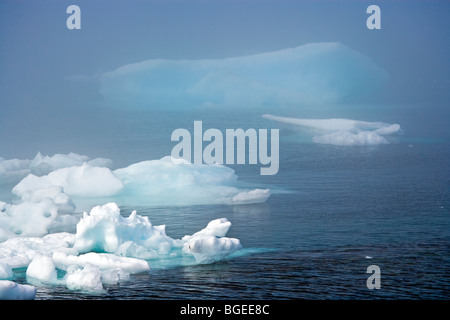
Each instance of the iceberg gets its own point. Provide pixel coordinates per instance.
(210, 244)
(10, 290)
(103, 261)
(179, 182)
(39, 210)
(82, 181)
(343, 132)
(315, 73)
(210, 249)
(87, 279)
(13, 170)
(107, 248)
(166, 181)
(41, 270)
(19, 252)
(48, 201)
(105, 230)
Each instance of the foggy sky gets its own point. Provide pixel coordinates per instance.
(47, 70)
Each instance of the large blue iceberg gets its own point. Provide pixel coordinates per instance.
(315, 73)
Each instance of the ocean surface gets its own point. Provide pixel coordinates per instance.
(333, 210)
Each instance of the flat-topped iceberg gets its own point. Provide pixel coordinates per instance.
(343, 132)
(315, 73)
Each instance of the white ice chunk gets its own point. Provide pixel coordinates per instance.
(114, 276)
(30, 218)
(10, 290)
(103, 261)
(211, 249)
(54, 193)
(105, 230)
(39, 211)
(87, 278)
(41, 270)
(5, 271)
(210, 244)
(88, 272)
(216, 228)
(83, 181)
(251, 196)
(18, 252)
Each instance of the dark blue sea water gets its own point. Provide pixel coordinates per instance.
(333, 212)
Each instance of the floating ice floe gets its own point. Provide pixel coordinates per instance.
(179, 182)
(167, 181)
(343, 132)
(46, 202)
(106, 249)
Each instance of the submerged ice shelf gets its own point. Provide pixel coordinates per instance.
(107, 247)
